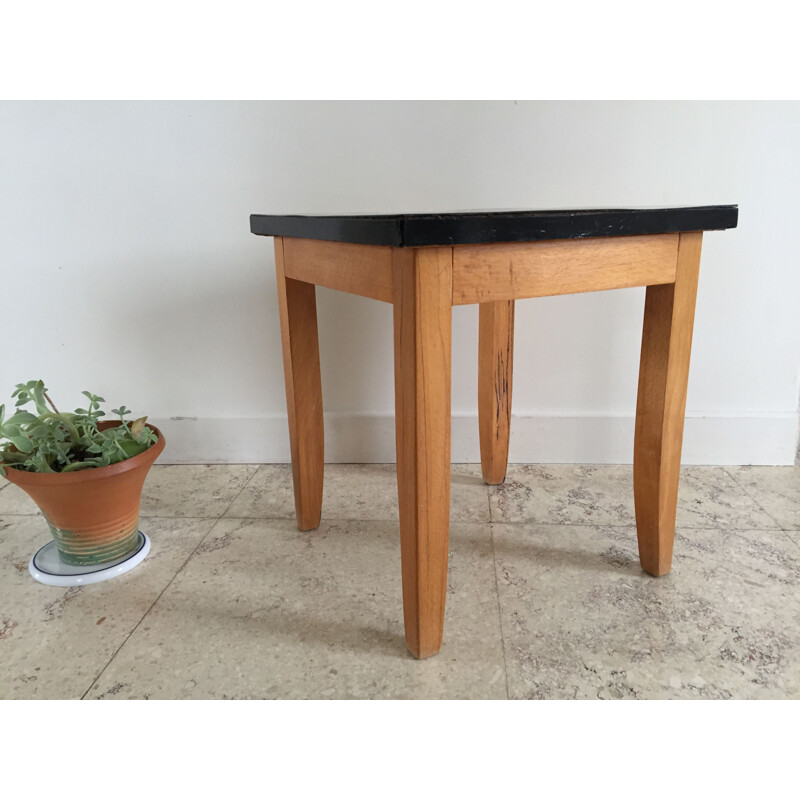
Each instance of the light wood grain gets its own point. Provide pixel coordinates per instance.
(661, 406)
(491, 272)
(298, 313)
(422, 336)
(360, 269)
(495, 368)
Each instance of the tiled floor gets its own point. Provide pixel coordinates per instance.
(546, 597)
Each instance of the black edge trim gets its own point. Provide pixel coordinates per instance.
(421, 230)
(354, 230)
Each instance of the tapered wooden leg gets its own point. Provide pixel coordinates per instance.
(663, 374)
(495, 367)
(422, 290)
(298, 311)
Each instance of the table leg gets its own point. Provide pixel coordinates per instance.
(298, 312)
(422, 294)
(663, 375)
(495, 367)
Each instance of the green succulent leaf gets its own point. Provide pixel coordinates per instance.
(21, 418)
(78, 465)
(133, 448)
(22, 443)
(66, 442)
(32, 390)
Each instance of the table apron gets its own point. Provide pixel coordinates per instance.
(486, 273)
(361, 269)
(490, 272)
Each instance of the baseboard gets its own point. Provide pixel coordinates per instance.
(359, 438)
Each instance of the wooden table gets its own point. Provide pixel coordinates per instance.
(424, 264)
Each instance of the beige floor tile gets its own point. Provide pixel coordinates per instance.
(709, 498)
(55, 642)
(356, 491)
(184, 490)
(794, 535)
(775, 489)
(570, 494)
(193, 490)
(14, 501)
(582, 620)
(264, 611)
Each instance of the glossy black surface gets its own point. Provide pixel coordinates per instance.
(484, 227)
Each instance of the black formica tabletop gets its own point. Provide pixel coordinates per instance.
(488, 227)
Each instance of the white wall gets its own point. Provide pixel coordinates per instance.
(128, 267)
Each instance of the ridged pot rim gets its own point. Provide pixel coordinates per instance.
(23, 477)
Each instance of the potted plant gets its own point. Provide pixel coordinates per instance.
(85, 475)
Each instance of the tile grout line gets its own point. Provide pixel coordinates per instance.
(6, 514)
(150, 608)
(499, 612)
(238, 494)
(796, 544)
(497, 591)
(630, 525)
(744, 489)
(169, 583)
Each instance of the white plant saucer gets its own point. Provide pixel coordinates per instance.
(47, 567)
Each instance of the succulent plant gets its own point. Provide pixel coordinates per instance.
(52, 441)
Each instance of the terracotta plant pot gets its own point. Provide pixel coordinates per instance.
(93, 513)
